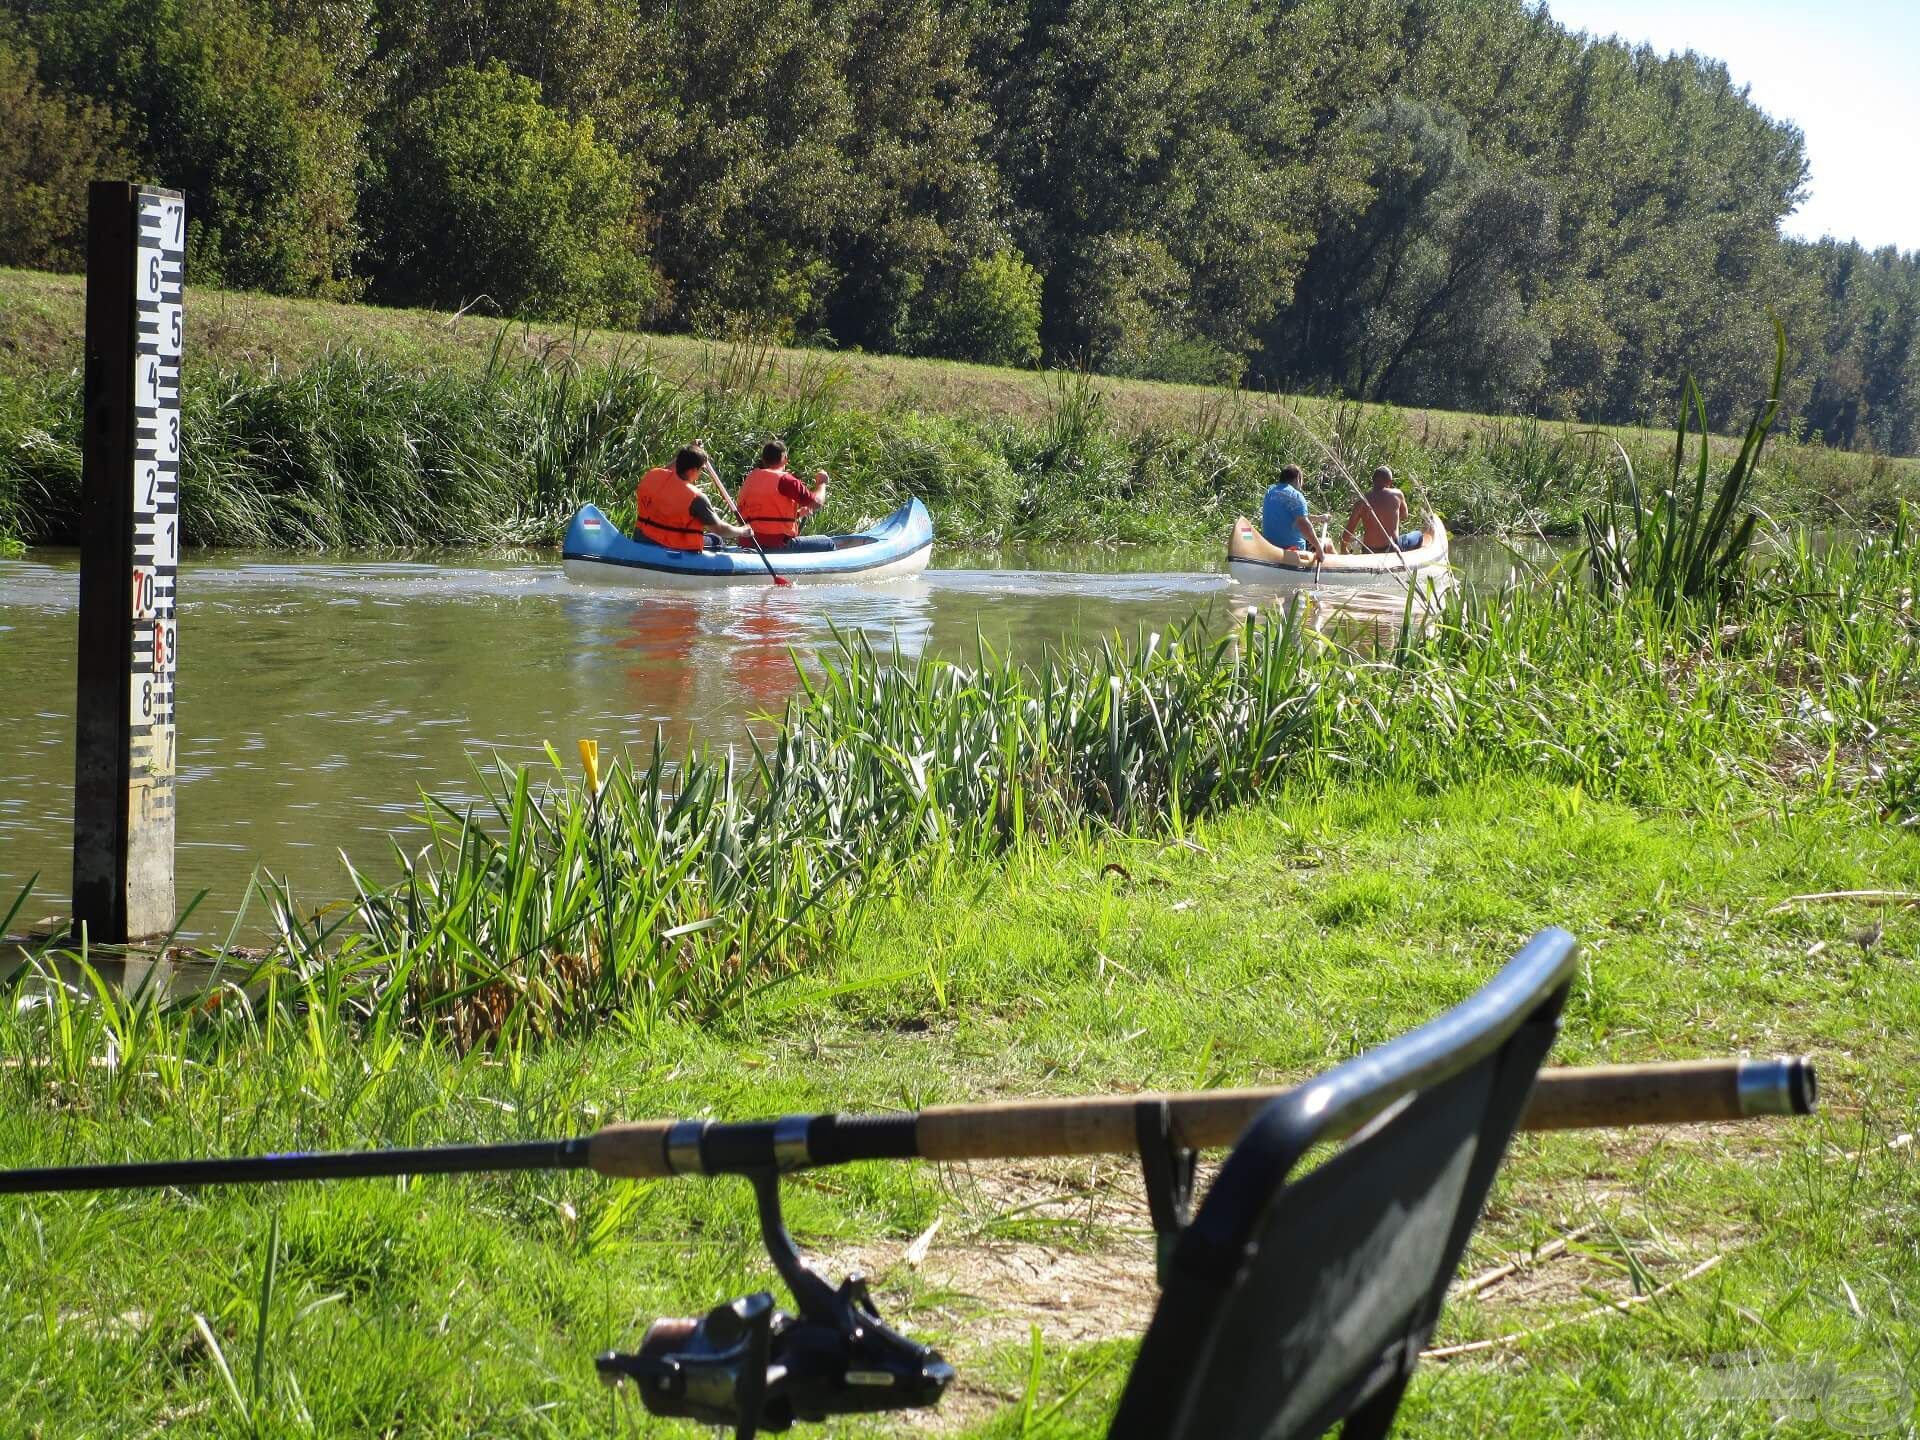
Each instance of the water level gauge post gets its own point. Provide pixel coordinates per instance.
(126, 745)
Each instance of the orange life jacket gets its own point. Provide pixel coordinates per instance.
(663, 511)
(775, 517)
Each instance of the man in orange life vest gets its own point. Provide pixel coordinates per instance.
(773, 501)
(669, 509)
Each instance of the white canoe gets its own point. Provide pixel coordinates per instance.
(1253, 560)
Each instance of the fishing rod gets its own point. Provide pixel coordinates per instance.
(1605, 1096)
(750, 1366)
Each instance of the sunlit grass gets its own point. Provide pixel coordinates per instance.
(1257, 950)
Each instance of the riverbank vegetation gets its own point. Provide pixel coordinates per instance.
(312, 425)
(1418, 202)
(1190, 861)
(1264, 945)
(1183, 860)
(675, 885)
(679, 887)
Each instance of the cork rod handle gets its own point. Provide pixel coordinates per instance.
(1605, 1096)
(636, 1150)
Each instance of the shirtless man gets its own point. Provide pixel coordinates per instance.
(1377, 517)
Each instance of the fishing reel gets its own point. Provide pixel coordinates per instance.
(754, 1367)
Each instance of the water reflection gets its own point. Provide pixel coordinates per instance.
(657, 655)
(1361, 616)
(694, 663)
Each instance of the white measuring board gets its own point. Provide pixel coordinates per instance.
(160, 256)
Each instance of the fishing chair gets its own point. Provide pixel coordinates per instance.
(1294, 1302)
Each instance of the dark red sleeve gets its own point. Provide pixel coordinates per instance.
(793, 489)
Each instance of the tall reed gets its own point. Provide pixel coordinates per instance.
(1691, 544)
(352, 449)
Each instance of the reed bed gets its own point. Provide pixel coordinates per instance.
(1694, 542)
(350, 449)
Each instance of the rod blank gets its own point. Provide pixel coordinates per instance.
(315, 1165)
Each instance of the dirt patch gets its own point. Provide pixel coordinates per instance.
(1068, 1246)
(1064, 1246)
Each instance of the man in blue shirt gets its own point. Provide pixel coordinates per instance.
(1283, 515)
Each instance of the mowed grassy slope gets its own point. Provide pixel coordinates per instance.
(42, 325)
(1267, 945)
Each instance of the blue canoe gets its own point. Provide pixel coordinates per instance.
(599, 552)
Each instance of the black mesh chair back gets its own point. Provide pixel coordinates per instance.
(1291, 1305)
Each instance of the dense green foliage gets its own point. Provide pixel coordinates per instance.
(253, 111)
(1865, 388)
(54, 146)
(991, 314)
(1426, 201)
(491, 192)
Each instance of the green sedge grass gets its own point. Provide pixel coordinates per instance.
(362, 447)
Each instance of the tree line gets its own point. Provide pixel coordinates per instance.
(1454, 203)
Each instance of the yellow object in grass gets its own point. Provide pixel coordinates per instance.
(590, 757)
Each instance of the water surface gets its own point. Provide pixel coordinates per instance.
(320, 698)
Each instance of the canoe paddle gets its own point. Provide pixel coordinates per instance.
(758, 549)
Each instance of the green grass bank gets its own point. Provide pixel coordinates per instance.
(1185, 860)
(314, 425)
(1263, 946)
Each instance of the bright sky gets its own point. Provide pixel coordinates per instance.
(1842, 70)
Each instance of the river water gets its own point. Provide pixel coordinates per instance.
(318, 699)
